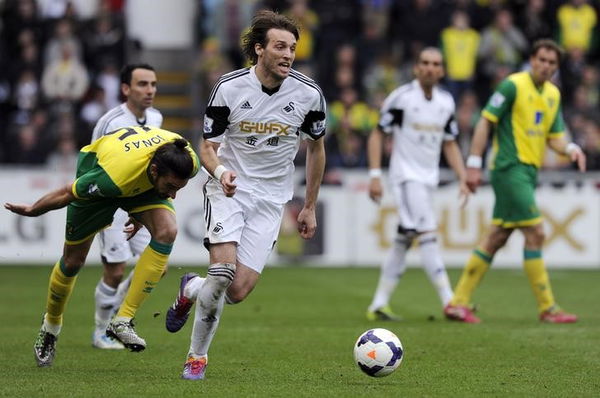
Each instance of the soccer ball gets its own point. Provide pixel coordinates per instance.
(378, 352)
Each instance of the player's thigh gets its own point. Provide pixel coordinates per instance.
(224, 217)
(260, 234)
(414, 202)
(155, 213)
(514, 191)
(86, 217)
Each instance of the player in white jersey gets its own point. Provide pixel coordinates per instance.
(138, 85)
(254, 121)
(420, 115)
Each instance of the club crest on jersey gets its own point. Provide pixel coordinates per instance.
(317, 127)
(289, 107)
(94, 190)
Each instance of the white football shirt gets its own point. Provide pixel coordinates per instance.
(120, 116)
(419, 127)
(259, 130)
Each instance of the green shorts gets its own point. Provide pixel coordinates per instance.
(514, 189)
(85, 217)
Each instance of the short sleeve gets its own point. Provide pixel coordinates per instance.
(500, 102)
(95, 183)
(314, 121)
(392, 113)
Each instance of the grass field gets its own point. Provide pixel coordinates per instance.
(293, 337)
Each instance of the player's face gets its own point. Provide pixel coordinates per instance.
(429, 69)
(140, 93)
(277, 57)
(167, 186)
(543, 64)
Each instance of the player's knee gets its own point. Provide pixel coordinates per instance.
(535, 238)
(165, 234)
(73, 263)
(427, 238)
(222, 274)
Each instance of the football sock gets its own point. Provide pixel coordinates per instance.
(122, 291)
(148, 271)
(209, 306)
(59, 291)
(434, 266)
(392, 269)
(476, 267)
(192, 288)
(538, 278)
(104, 297)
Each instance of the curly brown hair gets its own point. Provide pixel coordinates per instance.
(257, 33)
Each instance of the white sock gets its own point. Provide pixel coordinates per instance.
(434, 266)
(105, 304)
(122, 291)
(392, 269)
(209, 306)
(50, 327)
(192, 288)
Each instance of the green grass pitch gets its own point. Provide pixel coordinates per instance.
(294, 335)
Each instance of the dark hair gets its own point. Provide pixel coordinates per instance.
(261, 23)
(548, 44)
(174, 158)
(128, 69)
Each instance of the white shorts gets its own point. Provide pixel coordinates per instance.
(114, 246)
(414, 201)
(252, 222)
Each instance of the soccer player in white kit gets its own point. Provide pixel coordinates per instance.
(138, 85)
(254, 121)
(420, 115)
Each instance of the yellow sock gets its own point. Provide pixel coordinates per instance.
(59, 291)
(538, 278)
(148, 271)
(476, 267)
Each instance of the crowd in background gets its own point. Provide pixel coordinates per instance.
(59, 65)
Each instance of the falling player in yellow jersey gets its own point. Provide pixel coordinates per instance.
(139, 170)
(525, 111)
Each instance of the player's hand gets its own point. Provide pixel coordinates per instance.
(473, 178)
(24, 210)
(227, 182)
(375, 190)
(579, 157)
(463, 196)
(307, 223)
(132, 226)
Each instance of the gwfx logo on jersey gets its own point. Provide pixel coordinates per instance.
(264, 128)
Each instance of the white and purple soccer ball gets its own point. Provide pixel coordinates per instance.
(378, 352)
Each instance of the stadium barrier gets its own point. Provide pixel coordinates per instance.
(353, 231)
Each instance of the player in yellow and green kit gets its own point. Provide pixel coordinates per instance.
(139, 170)
(526, 114)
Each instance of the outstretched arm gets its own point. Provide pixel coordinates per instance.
(54, 200)
(315, 167)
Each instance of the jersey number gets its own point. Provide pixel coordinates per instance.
(128, 131)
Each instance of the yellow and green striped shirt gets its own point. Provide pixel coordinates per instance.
(525, 117)
(116, 165)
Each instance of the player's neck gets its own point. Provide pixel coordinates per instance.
(427, 90)
(139, 113)
(267, 79)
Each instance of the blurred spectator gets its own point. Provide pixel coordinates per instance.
(590, 142)
(63, 34)
(577, 21)
(104, 44)
(211, 64)
(501, 49)
(110, 81)
(64, 158)
(308, 22)
(26, 91)
(421, 22)
(92, 109)
(20, 16)
(349, 123)
(534, 20)
(26, 147)
(459, 46)
(66, 79)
